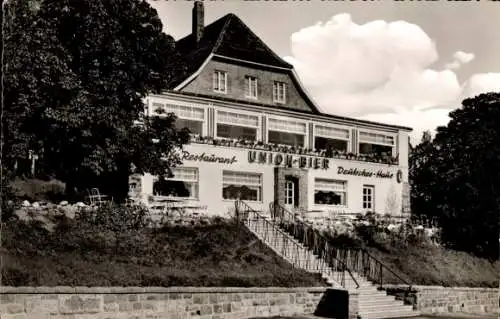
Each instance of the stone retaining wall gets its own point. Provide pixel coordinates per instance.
(152, 302)
(435, 299)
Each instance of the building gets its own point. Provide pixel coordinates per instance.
(258, 135)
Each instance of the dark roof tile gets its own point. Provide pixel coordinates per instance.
(238, 41)
(227, 36)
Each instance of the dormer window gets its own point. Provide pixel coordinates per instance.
(220, 82)
(279, 92)
(250, 87)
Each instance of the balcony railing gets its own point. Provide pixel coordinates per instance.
(328, 153)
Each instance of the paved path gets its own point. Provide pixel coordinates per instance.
(438, 316)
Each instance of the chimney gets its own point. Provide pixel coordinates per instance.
(198, 21)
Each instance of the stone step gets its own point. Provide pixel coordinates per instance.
(384, 306)
(299, 257)
(387, 314)
(350, 284)
(373, 304)
(290, 245)
(362, 285)
(358, 276)
(293, 252)
(373, 299)
(291, 248)
(367, 286)
(353, 288)
(368, 293)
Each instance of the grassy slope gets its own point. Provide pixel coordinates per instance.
(425, 264)
(203, 255)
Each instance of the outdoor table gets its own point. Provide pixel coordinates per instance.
(97, 199)
(162, 203)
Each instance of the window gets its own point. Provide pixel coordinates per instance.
(183, 184)
(241, 185)
(373, 143)
(251, 87)
(135, 186)
(287, 132)
(188, 117)
(289, 193)
(330, 192)
(220, 82)
(368, 197)
(327, 137)
(279, 92)
(237, 126)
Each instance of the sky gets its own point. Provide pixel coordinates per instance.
(405, 63)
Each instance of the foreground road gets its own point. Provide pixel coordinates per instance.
(438, 316)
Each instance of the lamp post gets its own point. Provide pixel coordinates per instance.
(33, 157)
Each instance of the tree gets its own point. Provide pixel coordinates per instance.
(421, 176)
(457, 176)
(76, 78)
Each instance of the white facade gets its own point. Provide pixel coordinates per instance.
(358, 185)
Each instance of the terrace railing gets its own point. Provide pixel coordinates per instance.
(354, 259)
(255, 145)
(291, 249)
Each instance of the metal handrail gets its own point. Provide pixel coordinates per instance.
(368, 265)
(320, 246)
(258, 216)
(328, 261)
(384, 266)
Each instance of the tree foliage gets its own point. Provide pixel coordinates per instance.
(419, 176)
(76, 76)
(455, 176)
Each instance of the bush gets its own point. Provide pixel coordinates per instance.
(415, 256)
(411, 254)
(115, 217)
(6, 195)
(38, 190)
(7, 210)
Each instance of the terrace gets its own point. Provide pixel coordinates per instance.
(375, 157)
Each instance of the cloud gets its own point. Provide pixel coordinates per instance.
(481, 83)
(453, 65)
(420, 121)
(463, 57)
(460, 58)
(377, 67)
(380, 71)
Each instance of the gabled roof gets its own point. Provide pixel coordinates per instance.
(230, 37)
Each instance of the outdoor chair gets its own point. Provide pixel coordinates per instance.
(96, 198)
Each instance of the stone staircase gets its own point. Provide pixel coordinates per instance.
(372, 303)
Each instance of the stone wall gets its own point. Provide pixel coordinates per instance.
(435, 299)
(156, 302)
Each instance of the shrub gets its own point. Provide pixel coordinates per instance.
(344, 240)
(6, 195)
(7, 210)
(116, 218)
(38, 190)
